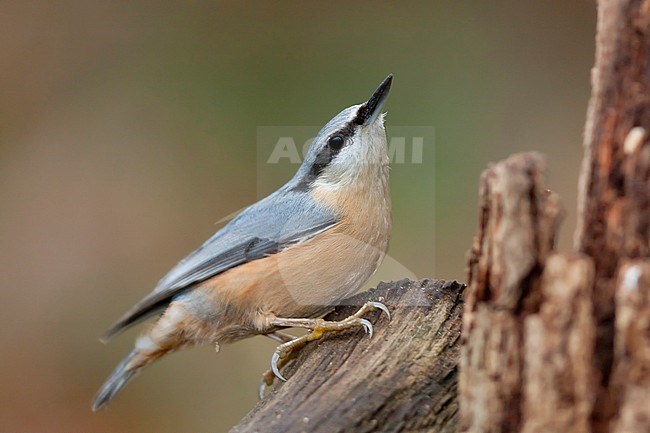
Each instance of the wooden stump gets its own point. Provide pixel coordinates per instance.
(561, 341)
(528, 322)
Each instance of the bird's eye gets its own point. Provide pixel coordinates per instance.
(336, 142)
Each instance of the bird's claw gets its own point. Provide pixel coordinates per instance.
(274, 365)
(380, 306)
(367, 326)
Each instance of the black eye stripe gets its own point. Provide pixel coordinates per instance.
(323, 159)
(335, 143)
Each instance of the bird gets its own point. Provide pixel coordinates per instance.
(283, 262)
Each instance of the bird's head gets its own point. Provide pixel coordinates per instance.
(350, 146)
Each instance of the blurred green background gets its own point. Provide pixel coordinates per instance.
(128, 128)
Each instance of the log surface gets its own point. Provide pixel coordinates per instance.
(404, 379)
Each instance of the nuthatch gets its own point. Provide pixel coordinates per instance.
(284, 261)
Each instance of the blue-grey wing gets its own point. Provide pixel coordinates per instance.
(270, 225)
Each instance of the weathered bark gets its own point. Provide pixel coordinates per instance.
(614, 203)
(401, 380)
(631, 374)
(529, 331)
(515, 316)
(558, 348)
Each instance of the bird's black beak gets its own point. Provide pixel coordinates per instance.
(369, 111)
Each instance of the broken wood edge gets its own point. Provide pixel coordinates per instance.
(530, 356)
(506, 300)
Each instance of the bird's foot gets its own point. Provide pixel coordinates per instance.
(318, 328)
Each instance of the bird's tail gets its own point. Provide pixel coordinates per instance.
(121, 376)
(162, 338)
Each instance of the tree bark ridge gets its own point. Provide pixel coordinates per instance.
(614, 193)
